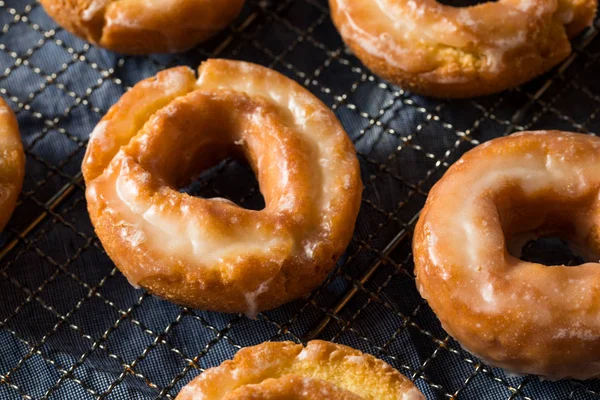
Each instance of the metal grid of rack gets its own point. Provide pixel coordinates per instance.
(72, 327)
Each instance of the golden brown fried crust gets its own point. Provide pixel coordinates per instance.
(523, 316)
(12, 161)
(291, 387)
(210, 254)
(285, 370)
(480, 65)
(140, 27)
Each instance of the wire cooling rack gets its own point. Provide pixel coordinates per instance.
(72, 327)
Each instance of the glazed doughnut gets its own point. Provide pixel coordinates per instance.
(445, 51)
(525, 317)
(289, 371)
(210, 253)
(141, 26)
(12, 163)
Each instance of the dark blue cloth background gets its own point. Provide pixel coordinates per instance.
(72, 328)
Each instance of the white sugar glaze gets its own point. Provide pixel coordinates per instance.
(428, 23)
(513, 313)
(470, 222)
(187, 236)
(251, 297)
(304, 162)
(93, 8)
(424, 44)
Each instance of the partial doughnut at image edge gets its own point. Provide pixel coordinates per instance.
(12, 163)
(525, 317)
(210, 253)
(143, 27)
(443, 51)
(286, 370)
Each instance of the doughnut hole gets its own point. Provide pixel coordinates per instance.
(231, 179)
(182, 141)
(550, 250)
(239, 134)
(224, 171)
(549, 228)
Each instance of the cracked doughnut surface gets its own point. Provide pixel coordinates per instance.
(288, 371)
(12, 163)
(446, 51)
(210, 253)
(526, 317)
(142, 26)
